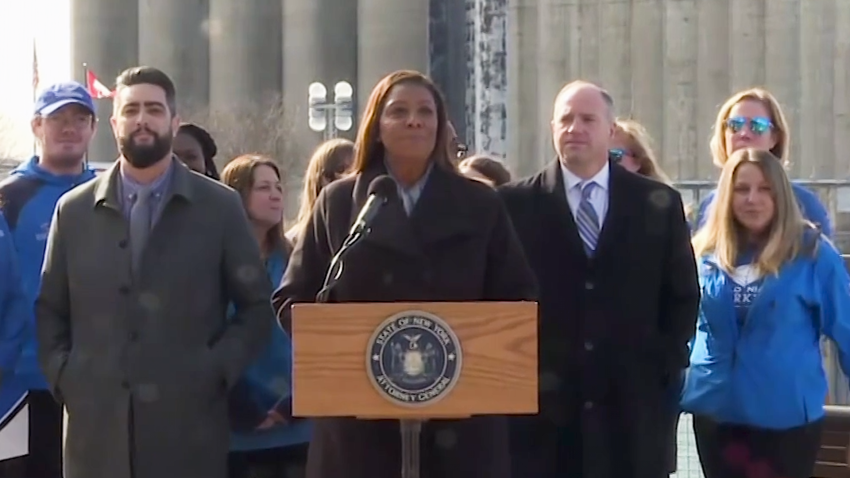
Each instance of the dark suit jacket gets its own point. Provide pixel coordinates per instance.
(613, 329)
(143, 361)
(457, 245)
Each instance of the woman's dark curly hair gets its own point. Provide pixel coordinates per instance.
(208, 147)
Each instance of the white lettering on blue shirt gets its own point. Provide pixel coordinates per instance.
(746, 286)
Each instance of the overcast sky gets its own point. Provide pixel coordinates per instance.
(48, 23)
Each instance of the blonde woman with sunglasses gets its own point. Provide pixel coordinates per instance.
(631, 148)
(753, 118)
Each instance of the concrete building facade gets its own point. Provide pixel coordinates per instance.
(245, 53)
(668, 63)
(319, 44)
(174, 36)
(105, 40)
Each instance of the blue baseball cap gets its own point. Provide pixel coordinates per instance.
(58, 95)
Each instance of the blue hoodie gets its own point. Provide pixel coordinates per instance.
(14, 311)
(266, 385)
(28, 198)
(813, 210)
(755, 358)
(14, 326)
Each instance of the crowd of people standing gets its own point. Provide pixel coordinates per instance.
(151, 303)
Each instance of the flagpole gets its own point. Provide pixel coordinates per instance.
(86, 82)
(35, 82)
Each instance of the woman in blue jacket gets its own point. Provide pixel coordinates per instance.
(771, 286)
(266, 440)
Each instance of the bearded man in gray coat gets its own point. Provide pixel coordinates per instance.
(140, 268)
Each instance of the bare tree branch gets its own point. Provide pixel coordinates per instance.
(12, 145)
(243, 129)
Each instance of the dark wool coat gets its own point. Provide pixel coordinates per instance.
(613, 329)
(457, 245)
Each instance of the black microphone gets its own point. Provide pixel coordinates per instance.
(381, 190)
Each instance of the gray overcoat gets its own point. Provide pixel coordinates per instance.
(143, 365)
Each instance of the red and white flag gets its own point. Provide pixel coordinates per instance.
(97, 90)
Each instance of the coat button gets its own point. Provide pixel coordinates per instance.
(125, 385)
(588, 285)
(124, 290)
(588, 405)
(134, 336)
(387, 278)
(588, 345)
(123, 243)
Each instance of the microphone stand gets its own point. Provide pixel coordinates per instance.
(410, 429)
(334, 273)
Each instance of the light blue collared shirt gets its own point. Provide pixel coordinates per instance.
(130, 188)
(410, 194)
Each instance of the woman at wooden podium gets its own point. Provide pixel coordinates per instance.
(444, 238)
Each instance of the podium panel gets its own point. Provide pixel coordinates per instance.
(482, 357)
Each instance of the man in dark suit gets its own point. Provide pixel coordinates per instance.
(618, 302)
(141, 265)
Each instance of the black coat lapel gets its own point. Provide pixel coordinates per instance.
(558, 208)
(443, 210)
(391, 228)
(618, 209)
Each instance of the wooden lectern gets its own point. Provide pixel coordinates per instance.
(414, 362)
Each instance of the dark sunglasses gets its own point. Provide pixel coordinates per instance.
(758, 125)
(617, 154)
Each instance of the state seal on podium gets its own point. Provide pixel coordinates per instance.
(414, 358)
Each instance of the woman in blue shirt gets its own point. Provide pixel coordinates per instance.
(266, 440)
(771, 286)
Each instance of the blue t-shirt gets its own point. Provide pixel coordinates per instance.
(746, 285)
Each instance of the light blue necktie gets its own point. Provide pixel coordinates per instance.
(140, 226)
(587, 220)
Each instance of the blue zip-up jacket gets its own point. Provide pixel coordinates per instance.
(813, 210)
(266, 385)
(15, 312)
(768, 372)
(27, 200)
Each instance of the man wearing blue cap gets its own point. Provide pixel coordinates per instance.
(63, 124)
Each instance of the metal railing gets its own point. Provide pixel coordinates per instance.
(833, 193)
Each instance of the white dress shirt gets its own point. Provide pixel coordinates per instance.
(598, 197)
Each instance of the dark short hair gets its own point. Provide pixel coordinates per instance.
(488, 167)
(148, 75)
(207, 143)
